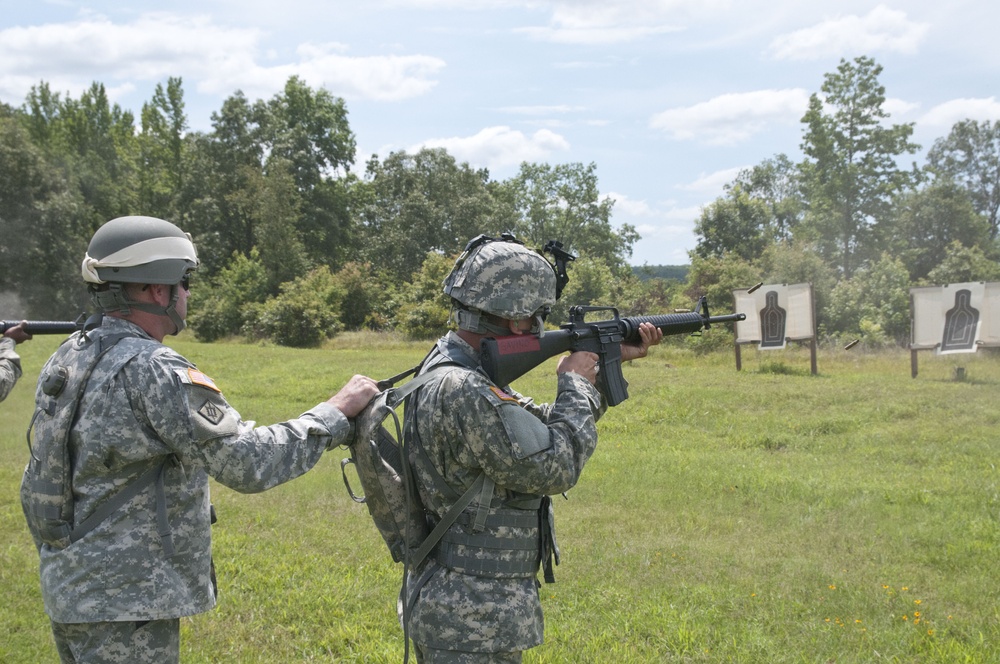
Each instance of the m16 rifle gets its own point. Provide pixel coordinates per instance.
(507, 358)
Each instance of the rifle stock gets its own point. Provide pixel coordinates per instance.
(507, 358)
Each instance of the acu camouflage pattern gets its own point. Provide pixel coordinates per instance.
(123, 642)
(376, 456)
(10, 366)
(133, 416)
(46, 487)
(462, 423)
(503, 278)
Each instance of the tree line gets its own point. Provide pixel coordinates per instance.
(297, 244)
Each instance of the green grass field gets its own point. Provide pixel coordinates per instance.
(766, 515)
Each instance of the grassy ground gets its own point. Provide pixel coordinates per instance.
(766, 515)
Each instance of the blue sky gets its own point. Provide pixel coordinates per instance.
(669, 98)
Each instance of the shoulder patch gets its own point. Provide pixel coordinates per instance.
(198, 378)
(191, 376)
(211, 412)
(500, 394)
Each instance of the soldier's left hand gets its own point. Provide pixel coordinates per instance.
(649, 335)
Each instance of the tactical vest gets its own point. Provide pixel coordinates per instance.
(46, 487)
(498, 537)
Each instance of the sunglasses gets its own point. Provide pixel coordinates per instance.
(186, 282)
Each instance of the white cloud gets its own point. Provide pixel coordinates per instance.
(631, 208)
(382, 78)
(594, 35)
(611, 21)
(500, 146)
(944, 116)
(899, 107)
(882, 29)
(732, 118)
(216, 59)
(713, 183)
(540, 110)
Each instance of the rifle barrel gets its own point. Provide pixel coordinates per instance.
(43, 326)
(688, 322)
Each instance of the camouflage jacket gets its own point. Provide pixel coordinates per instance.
(10, 366)
(134, 415)
(464, 426)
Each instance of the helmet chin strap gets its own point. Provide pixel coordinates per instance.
(115, 298)
(478, 323)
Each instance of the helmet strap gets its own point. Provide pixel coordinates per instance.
(477, 322)
(115, 297)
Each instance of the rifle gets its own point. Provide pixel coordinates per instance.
(507, 358)
(46, 326)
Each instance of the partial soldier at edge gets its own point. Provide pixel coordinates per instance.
(10, 361)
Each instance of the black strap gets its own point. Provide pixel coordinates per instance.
(447, 520)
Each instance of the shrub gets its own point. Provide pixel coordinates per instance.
(424, 309)
(221, 308)
(305, 313)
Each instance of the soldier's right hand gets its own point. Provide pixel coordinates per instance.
(581, 362)
(354, 396)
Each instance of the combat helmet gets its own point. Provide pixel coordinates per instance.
(501, 278)
(138, 250)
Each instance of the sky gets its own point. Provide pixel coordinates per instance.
(669, 99)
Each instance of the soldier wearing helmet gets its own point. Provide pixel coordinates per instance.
(475, 598)
(144, 430)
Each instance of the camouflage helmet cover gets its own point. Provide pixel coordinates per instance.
(503, 278)
(143, 250)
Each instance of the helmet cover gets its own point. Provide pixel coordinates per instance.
(503, 278)
(142, 250)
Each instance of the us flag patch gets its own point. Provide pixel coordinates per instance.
(198, 378)
(500, 393)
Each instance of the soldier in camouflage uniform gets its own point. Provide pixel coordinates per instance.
(116, 592)
(476, 598)
(10, 361)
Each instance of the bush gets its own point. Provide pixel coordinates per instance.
(221, 308)
(364, 296)
(305, 313)
(875, 302)
(424, 309)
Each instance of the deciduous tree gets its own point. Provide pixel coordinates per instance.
(851, 174)
(970, 155)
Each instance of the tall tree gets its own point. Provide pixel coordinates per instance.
(412, 204)
(563, 203)
(851, 173)
(970, 155)
(775, 181)
(299, 133)
(736, 223)
(43, 226)
(161, 141)
(925, 223)
(308, 131)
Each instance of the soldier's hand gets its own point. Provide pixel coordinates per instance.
(581, 362)
(649, 335)
(354, 396)
(18, 333)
